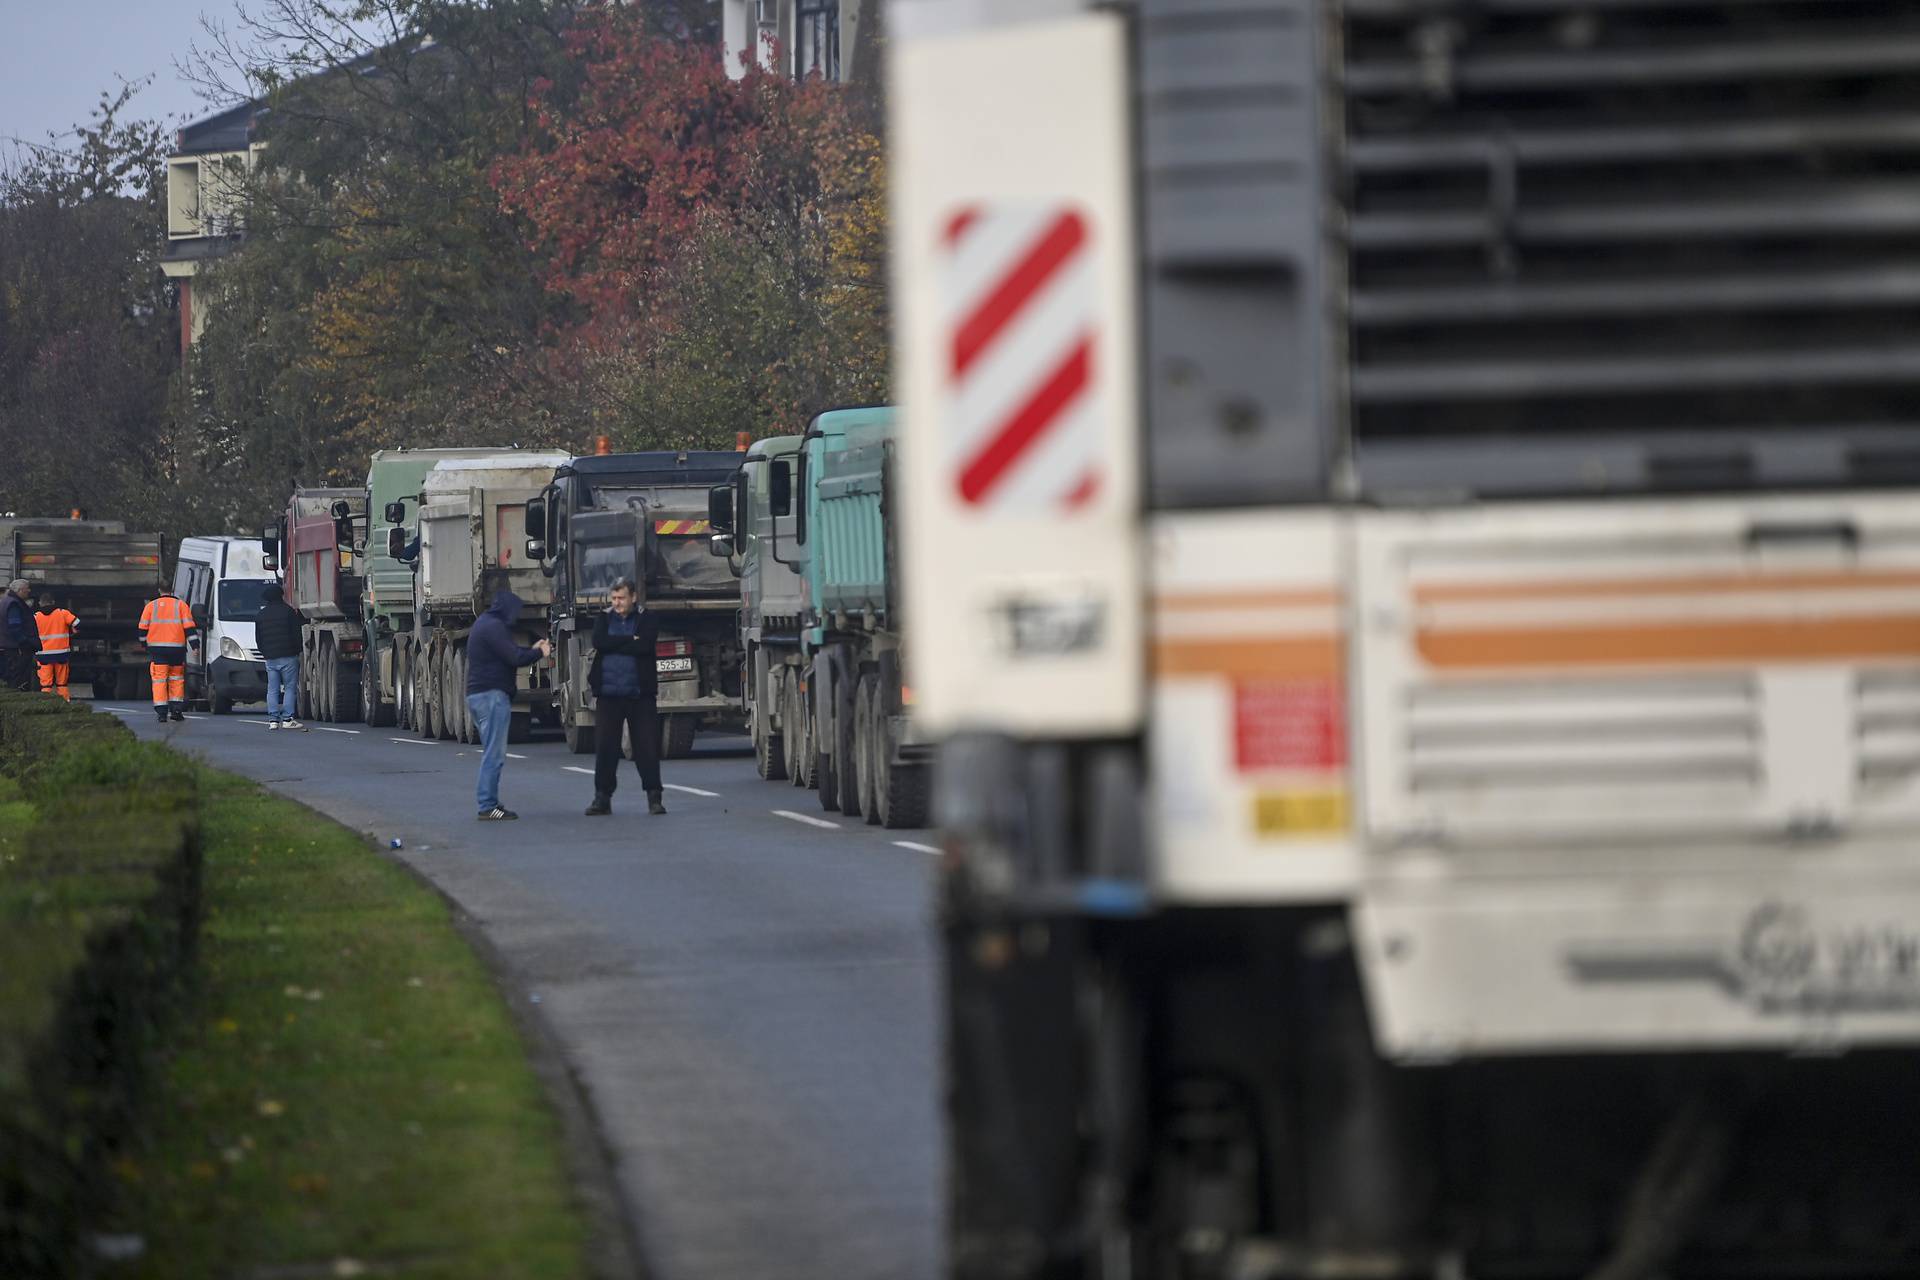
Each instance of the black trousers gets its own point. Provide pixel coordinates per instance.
(642, 719)
(19, 670)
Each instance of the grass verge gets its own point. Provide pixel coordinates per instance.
(348, 1094)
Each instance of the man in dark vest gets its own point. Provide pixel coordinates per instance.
(19, 636)
(625, 684)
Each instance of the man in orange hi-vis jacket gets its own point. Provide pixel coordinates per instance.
(165, 624)
(56, 646)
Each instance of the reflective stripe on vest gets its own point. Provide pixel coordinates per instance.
(165, 622)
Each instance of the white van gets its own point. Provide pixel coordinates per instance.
(221, 580)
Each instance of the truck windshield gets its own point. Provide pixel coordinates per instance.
(241, 598)
(682, 561)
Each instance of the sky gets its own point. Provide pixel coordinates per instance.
(56, 56)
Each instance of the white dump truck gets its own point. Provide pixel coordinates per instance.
(472, 517)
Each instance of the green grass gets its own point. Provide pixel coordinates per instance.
(348, 1089)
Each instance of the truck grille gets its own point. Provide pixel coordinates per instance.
(1676, 241)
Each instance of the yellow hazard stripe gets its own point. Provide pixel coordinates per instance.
(682, 526)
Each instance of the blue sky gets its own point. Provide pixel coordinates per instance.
(56, 56)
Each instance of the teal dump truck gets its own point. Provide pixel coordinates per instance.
(828, 695)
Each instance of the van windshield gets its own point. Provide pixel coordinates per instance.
(241, 598)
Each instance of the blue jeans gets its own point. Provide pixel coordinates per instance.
(491, 711)
(282, 676)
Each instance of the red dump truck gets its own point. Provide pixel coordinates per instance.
(320, 572)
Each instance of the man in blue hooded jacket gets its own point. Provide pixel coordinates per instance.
(492, 657)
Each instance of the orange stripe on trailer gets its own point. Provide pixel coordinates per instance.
(682, 526)
(1216, 601)
(1703, 584)
(1826, 640)
(1307, 654)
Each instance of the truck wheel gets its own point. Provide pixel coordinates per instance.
(847, 770)
(457, 714)
(580, 738)
(863, 700)
(374, 710)
(303, 686)
(402, 685)
(322, 683)
(676, 736)
(768, 749)
(901, 791)
(799, 734)
(449, 712)
(345, 696)
(426, 693)
(219, 704)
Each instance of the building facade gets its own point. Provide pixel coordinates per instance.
(206, 189)
(829, 38)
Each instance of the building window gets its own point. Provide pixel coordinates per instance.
(817, 42)
(183, 198)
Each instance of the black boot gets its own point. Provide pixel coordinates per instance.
(654, 804)
(602, 805)
(175, 713)
(161, 714)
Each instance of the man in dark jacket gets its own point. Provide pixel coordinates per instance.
(19, 636)
(626, 684)
(277, 632)
(492, 657)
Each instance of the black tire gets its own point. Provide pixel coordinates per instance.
(220, 704)
(902, 792)
(676, 736)
(769, 751)
(449, 709)
(519, 726)
(344, 699)
(322, 679)
(402, 686)
(847, 775)
(303, 686)
(800, 754)
(863, 746)
(426, 693)
(375, 710)
(580, 738)
(827, 786)
(464, 729)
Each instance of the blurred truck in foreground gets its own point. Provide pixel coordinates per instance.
(1413, 559)
(105, 575)
(644, 516)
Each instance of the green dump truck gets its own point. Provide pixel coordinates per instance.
(814, 526)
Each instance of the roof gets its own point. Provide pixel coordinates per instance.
(227, 130)
(702, 460)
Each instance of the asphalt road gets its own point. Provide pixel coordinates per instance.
(745, 992)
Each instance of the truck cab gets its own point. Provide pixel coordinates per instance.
(222, 579)
(644, 516)
(757, 527)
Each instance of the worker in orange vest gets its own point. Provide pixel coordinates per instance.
(165, 624)
(56, 626)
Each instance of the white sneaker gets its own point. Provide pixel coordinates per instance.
(293, 724)
(273, 724)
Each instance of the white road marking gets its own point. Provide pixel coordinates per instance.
(196, 717)
(425, 742)
(806, 818)
(917, 848)
(574, 768)
(692, 791)
(511, 755)
(325, 729)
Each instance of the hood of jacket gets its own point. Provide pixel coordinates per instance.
(506, 606)
(272, 594)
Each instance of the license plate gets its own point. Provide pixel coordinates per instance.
(666, 665)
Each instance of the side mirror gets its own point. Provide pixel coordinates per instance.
(780, 488)
(536, 549)
(536, 523)
(720, 544)
(396, 542)
(396, 512)
(270, 563)
(275, 534)
(341, 509)
(720, 509)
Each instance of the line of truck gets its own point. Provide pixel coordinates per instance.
(771, 570)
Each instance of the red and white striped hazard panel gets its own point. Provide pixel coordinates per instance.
(1022, 395)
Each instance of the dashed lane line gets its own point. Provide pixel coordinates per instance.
(574, 768)
(329, 729)
(917, 848)
(425, 742)
(514, 755)
(808, 819)
(692, 791)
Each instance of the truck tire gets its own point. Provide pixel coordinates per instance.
(375, 710)
(580, 737)
(826, 785)
(345, 695)
(902, 792)
(322, 680)
(768, 750)
(426, 692)
(219, 704)
(676, 736)
(457, 713)
(799, 724)
(449, 710)
(847, 771)
(863, 700)
(402, 685)
(303, 685)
